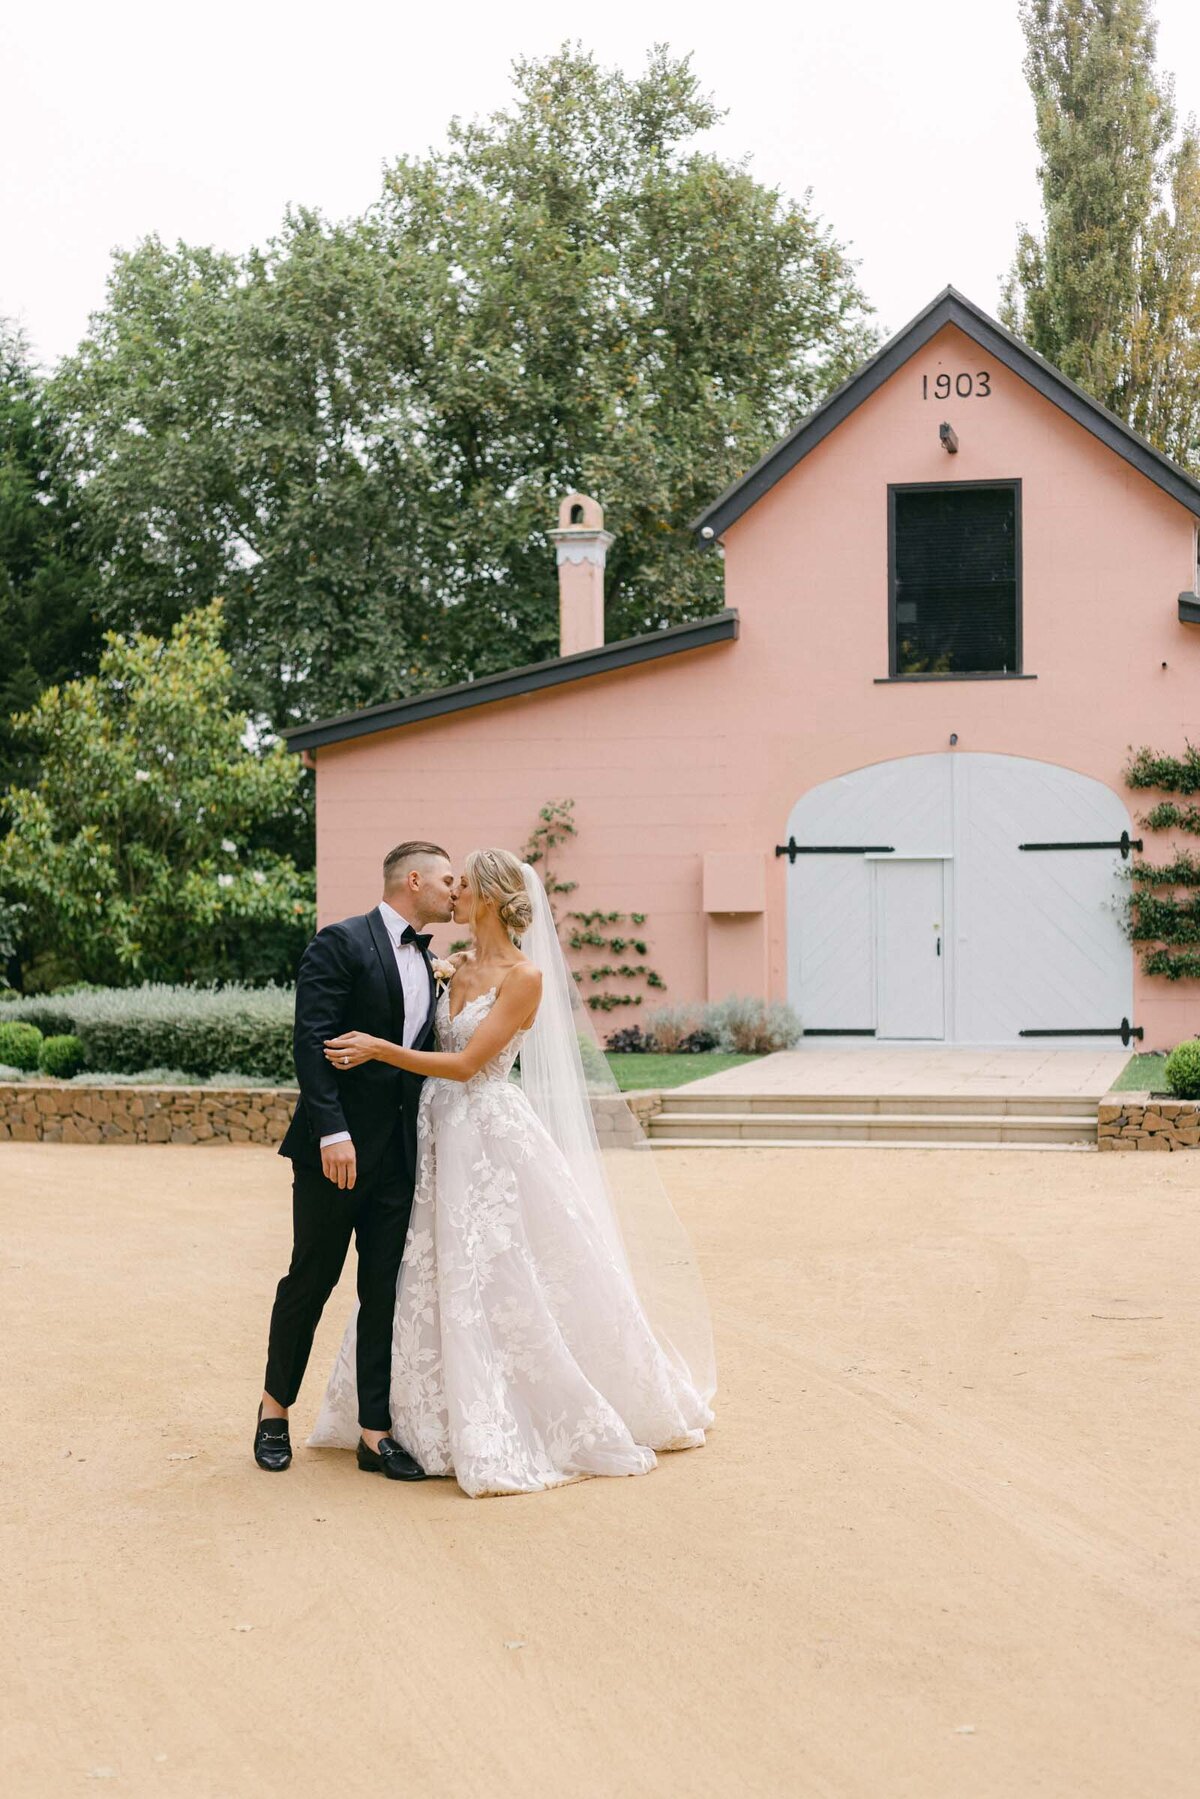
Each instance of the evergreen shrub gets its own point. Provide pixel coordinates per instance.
(200, 1030)
(20, 1044)
(61, 1058)
(1182, 1072)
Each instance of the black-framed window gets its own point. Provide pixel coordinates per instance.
(954, 555)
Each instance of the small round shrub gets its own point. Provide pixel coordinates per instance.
(670, 1025)
(61, 1057)
(698, 1043)
(20, 1044)
(1183, 1070)
(631, 1042)
(752, 1027)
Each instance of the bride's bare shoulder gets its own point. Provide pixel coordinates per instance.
(524, 974)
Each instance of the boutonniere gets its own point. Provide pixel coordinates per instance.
(443, 971)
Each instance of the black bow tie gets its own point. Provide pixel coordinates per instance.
(422, 939)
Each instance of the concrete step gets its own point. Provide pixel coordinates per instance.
(696, 1127)
(1040, 1148)
(1025, 1105)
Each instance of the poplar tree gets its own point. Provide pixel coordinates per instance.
(1109, 291)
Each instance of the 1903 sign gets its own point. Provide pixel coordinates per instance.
(966, 386)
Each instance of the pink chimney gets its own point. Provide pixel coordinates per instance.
(582, 546)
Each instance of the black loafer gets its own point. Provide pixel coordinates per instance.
(272, 1445)
(392, 1461)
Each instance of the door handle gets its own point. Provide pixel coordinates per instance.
(939, 946)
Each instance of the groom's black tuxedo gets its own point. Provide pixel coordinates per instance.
(348, 980)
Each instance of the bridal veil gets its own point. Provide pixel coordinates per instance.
(567, 1080)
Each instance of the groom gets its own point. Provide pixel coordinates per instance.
(353, 1146)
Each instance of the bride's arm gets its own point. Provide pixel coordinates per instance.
(516, 1003)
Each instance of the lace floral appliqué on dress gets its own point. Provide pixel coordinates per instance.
(521, 1356)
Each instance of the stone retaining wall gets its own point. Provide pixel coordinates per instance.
(645, 1104)
(1141, 1121)
(50, 1112)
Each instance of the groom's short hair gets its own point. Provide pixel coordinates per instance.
(395, 863)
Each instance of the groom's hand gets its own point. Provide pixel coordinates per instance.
(339, 1164)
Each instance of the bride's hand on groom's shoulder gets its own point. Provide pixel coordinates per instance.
(351, 1049)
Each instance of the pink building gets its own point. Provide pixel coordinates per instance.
(887, 782)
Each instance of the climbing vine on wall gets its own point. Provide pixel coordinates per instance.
(1167, 816)
(1158, 914)
(604, 933)
(1169, 774)
(608, 939)
(555, 825)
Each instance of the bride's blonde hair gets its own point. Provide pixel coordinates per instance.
(497, 877)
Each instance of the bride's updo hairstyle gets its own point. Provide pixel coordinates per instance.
(495, 877)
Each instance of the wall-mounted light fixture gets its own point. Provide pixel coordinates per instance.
(949, 439)
(953, 737)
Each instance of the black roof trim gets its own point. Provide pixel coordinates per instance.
(695, 635)
(949, 308)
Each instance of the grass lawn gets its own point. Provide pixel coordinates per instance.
(635, 1072)
(1144, 1072)
(1141, 1073)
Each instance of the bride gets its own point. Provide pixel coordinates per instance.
(537, 1339)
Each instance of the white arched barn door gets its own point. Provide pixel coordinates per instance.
(925, 905)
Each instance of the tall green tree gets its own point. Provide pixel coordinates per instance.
(142, 850)
(358, 433)
(1110, 289)
(50, 628)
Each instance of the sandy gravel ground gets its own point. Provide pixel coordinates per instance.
(940, 1544)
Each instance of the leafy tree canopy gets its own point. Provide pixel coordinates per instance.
(49, 623)
(137, 854)
(1110, 290)
(357, 434)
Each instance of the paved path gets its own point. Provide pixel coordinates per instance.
(1086, 1073)
(937, 1547)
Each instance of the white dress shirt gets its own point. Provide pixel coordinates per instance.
(414, 979)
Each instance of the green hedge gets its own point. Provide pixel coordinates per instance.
(61, 1058)
(201, 1030)
(20, 1043)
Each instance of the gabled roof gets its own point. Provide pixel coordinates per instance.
(949, 308)
(694, 635)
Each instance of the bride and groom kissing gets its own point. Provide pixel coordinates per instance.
(529, 1311)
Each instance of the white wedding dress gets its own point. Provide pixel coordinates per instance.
(522, 1356)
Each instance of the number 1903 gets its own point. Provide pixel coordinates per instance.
(964, 385)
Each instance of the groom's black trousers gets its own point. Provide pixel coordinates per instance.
(324, 1216)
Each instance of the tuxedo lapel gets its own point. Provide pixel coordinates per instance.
(391, 974)
(432, 994)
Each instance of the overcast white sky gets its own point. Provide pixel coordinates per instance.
(911, 123)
